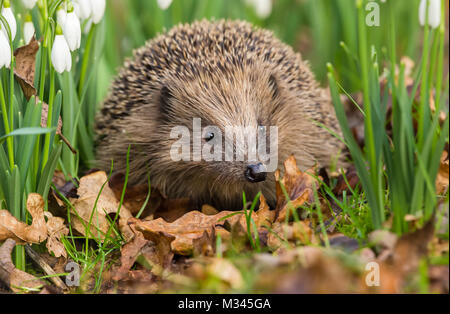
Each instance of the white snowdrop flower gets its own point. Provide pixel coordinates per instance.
(164, 4)
(29, 4)
(263, 8)
(61, 58)
(72, 30)
(98, 10)
(83, 8)
(28, 29)
(9, 16)
(5, 50)
(434, 12)
(61, 16)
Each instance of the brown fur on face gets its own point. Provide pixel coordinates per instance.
(228, 74)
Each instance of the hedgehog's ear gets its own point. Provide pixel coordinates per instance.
(164, 100)
(273, 84)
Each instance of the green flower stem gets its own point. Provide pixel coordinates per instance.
(85, 63)
(47, 144)
(6, 125)
(378, 212)
(440, 66)
(423, 86)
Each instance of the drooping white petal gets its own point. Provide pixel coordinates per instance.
(61, 58)
(5, 51)
(9, 16)
(28, 31)
(164, 4)
(263, 8)
(61, 16)
(98, 10)
(83, 8)
(434, 12)
(72, 31)
(29, 4)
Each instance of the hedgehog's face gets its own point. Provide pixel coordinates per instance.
(224, 127)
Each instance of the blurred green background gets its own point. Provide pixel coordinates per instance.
(313, 27)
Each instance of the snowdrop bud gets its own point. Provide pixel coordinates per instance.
(28, 29)
(72, 30)
(164, 4)
(9, 16)
(83, 8)
(61, 58)
(263, 8)
(61, 16)
(434, 12)
(5, 51)
(98, 10)
(29, 4)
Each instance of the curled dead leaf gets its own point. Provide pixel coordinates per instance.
(299, 187)
(22, 233)
(89, 211)
(17, 280)
(56, 229)
(185, 230)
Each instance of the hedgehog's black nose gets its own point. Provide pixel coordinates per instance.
(255, 173)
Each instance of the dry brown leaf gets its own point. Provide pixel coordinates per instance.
(56, 229)
(209, 210)
(129, 252)
(15, 279)
(397, 264)
(25, 67)
(135, 196)
(22, 233)
(91, 220)
(320, 273)
(264, 216)
(299, 187)
(185, 230)
(24, 72)
(298, 232)
(224, 270)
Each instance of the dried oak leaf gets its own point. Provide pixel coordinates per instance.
(135, 195)
(224, 270)
(89, 211)
(192, 226)
(129, 253)
(25, 67)
(299, 187)
(403, 259)
(15, 279)
(22, 233)
(24, 72)
(298, 232)
(56, 229)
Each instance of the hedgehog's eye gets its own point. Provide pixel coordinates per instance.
(209, 136)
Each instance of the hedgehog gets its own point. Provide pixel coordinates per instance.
(226, 73)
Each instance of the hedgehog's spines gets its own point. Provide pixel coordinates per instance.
(227, 73)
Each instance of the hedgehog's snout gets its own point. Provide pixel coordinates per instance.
(255, 173)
